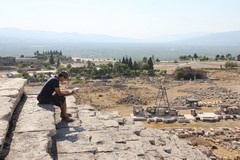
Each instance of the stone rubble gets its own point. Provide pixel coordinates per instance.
(131, 99)
(225, 137)
(225, 95)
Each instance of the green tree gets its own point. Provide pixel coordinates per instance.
(25, 75)
(195, 56)
(144, 59)
(229, 56)
(238, 57)
(222, 57)
(51, 60)
(123, 60)
(150, 64)
(135, 66)
(69, 66)
(151, 72)
(130, 64)
(126, 60)
(58, 63)
(61, 68)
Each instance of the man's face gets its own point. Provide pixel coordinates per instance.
(62, 78)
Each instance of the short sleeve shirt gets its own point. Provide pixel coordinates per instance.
(49, 87)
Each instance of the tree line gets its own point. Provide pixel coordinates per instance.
(228, 56)
(124, 67)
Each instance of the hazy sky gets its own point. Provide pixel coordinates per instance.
(124, 18)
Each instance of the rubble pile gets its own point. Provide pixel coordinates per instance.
(225, 95)
(229, 138)
(131, 99)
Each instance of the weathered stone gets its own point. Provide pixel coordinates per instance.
(67, 146)
(92, 124)
(124, 155)
(30, 145)
(11, 91)
(7, 107)
(16, 83)
(153, 155)
(110, 123)
(69, 134)
(35, 117)
(136, 147)
(167, 149)
(76, 156)
(86, 107)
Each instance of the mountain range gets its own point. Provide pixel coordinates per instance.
(17, 41)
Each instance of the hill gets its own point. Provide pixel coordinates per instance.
(15, 42)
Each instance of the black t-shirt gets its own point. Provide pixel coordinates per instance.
(49, 87)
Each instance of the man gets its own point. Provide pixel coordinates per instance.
(46, 95)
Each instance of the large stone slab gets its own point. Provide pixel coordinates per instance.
(123, 155)
(35, 117)
(12, 83)
(77, 156)
(11, 91)
(30, 145)
(7, 107)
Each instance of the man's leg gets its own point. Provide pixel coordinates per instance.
(64, 114)
(64, 109)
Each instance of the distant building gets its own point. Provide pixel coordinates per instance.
(34, 62)
(7, 61)
(79, 60)
(194, 72)
(27, 60)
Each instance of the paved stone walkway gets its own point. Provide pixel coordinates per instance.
(40, 134)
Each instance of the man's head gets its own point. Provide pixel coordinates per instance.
(63, 74)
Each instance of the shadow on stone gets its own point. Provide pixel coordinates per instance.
(48, 107)
(66, 133)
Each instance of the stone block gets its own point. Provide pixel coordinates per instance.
(30, 145)
(35, 117)
(77, 156)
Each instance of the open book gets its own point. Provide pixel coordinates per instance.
(75, 89)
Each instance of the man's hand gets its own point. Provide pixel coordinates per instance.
(63, 93)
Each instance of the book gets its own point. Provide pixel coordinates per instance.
(75, 89)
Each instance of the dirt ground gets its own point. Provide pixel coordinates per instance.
(105, 94)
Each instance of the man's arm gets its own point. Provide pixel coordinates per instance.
(60, 93)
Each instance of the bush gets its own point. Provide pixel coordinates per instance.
(230, 64)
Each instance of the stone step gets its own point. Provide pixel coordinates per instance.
(106, 135)
(32, 138)
(11, 91)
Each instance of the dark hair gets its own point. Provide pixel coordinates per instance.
(64, 74)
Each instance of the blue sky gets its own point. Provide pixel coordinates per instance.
(122, 18)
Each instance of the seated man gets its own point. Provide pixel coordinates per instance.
(46, 95)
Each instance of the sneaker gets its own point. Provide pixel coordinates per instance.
(68, 114)
(67, 119)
